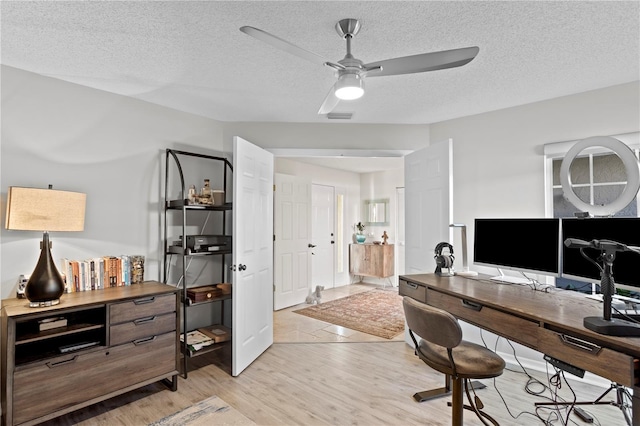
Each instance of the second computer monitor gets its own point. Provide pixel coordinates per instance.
(524, 245)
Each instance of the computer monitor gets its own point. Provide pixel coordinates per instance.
(626, 266)
(524, 245)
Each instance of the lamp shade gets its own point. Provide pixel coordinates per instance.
(349, 87)
(36, 209)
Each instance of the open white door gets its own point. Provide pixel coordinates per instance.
(292, 277)
(428, 182)
(428, 178)
(252, 313)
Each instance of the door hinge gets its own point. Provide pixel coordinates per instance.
(274, 288)
(274, 237)
(274, 188)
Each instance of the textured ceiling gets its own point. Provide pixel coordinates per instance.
(191, 56)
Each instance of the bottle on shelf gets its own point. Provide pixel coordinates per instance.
(192, 196)
(206, 196)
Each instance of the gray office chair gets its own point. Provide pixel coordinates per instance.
(443, 349)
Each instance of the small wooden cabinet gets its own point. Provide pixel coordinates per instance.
(371, 260)
(113, 341)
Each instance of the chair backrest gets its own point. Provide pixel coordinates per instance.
(432, 324)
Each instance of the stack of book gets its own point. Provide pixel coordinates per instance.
(96, 273)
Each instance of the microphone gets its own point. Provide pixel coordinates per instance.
(602, 245)
(576, 243)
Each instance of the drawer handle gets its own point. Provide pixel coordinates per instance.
(141, 321)
(60, 363)
(143, 341)
(411, 285)
(144, 301)
(471, 305)
(580, 344)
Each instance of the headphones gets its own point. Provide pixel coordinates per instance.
(443, 260)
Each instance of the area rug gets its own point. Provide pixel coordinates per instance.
(377, 312)
(211, 411)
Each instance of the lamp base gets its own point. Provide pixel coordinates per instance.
(44, 304)
(45, 285)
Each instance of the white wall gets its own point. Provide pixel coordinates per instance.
(332, 135)
(381, 185)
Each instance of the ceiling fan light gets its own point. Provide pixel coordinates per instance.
(349, 87)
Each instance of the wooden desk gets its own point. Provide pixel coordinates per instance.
(550, 323)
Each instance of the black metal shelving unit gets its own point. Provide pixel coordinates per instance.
(183, 208)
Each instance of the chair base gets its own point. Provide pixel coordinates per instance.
(446, 390)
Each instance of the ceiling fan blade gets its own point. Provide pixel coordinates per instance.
(281, 44)
(330, 102)
(424, 62)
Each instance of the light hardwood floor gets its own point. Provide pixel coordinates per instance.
(319, 374)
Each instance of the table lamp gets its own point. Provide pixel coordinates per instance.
(35, 209)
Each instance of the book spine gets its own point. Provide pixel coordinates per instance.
(100, 262)
(119, 271)
(92, 273)
(112, 272)
(83, 272)
(68, 277)
(76, 275)
(87, 275)
(126, 270)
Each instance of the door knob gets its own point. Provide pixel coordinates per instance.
(232, 267)
(311, 245)
(242, 267)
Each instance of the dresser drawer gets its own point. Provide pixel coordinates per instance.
(141, 327)
(414, 291)
(606, 363)
(141, 308)
(73, 379)
(490, 319)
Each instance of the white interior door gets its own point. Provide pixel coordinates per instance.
(323, 257)
(252, 313)
(292, 223)
(428, 182)
(428, 178)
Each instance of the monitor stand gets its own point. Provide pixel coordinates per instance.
(502, 278)
(606, 324)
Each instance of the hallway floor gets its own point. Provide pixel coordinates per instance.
(289, 327)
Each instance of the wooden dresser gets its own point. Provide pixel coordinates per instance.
(371, 260)
(115, 340)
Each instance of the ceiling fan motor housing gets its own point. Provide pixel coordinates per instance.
(347, 27)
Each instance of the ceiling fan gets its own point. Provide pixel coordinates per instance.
(351, 71)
